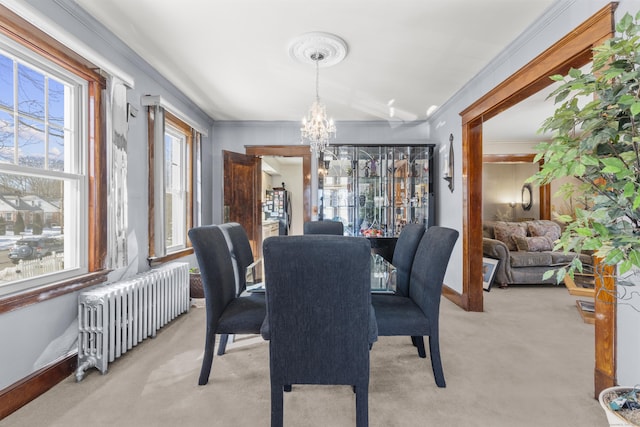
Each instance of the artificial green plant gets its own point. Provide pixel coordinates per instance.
(595, 135)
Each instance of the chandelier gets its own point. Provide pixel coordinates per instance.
(316, 128)
(314, 48)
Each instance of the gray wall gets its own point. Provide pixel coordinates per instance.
(235, 135)
(26, 333)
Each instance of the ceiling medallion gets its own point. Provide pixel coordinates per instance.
(332, 48)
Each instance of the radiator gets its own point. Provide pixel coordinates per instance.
(115, 317)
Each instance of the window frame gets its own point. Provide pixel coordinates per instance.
(42, 45)
(191, 143)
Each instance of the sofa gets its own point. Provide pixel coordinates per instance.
(525, 251)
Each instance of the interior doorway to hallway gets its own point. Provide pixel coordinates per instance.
(291, 154)
(284, 172)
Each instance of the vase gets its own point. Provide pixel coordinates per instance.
(614, 418)
(195, 286)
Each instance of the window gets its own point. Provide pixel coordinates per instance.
(176, 170)
(170, 184)
(49, 106)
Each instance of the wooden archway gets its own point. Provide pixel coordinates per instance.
(572, 51)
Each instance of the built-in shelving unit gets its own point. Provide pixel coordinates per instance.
(376, 190)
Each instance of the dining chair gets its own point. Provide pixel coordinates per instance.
(323, 227)
(241, 257)
(226, 312)
(417, 314)
(404, 254)
(318, 315)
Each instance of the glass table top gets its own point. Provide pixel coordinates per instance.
(383, 276)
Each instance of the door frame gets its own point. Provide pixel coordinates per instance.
(572, 51)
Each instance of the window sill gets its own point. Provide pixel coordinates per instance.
(154, 261)
(42, 293)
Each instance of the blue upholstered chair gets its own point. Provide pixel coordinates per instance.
(242, 257)
(240, 249)
(417, 314)
(318, 315)
(323, 227)
(403, 255)
(226, 312)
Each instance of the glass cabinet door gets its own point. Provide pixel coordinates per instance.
(376, 190)
(336, 186)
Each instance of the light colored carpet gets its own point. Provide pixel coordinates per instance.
(526, 361)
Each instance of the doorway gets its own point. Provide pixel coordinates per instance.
(285, 151)
(286, 173)
(573, 51)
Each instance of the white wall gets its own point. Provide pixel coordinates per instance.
(28, 331)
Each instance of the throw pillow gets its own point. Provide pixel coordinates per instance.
(505, 230)
(548, 229)
(533, 244)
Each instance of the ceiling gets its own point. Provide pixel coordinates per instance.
(231, 56)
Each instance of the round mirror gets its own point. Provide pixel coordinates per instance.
(526, 197)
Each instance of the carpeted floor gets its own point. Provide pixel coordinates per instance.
(526, 361)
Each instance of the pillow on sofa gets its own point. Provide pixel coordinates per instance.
(533, 244)
(544, 228)
(505, 230)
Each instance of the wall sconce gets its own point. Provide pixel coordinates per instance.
(447, 173)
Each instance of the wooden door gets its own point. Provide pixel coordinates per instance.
(242, 201)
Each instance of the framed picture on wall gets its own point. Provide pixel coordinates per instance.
(489, 267)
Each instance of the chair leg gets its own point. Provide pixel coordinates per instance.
(436, 363)
(362, 405)
(277, 409)
(223, 344)
(414, 341)
(419, 343)
(207, 360)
